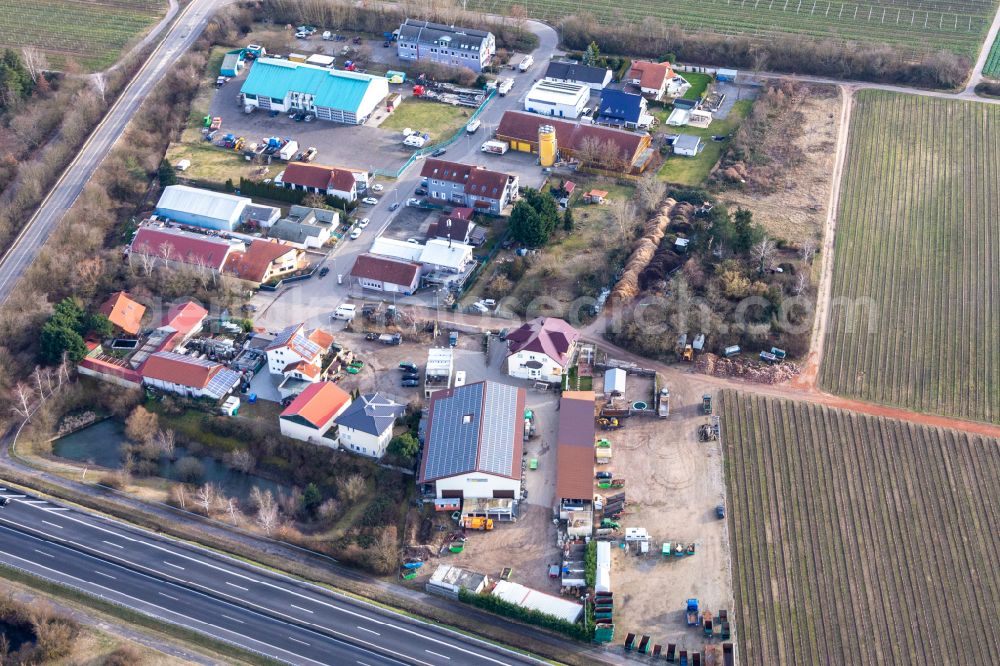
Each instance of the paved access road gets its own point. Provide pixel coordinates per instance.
(274, 615)
(15, 262)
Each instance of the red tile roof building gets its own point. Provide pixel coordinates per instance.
(263, 261)
(298, 354)
(123, 312)
(575, 446)
(630, 150)
(541, 349)
(651, 77)
(167, 246)
(386, 274)
(311, 414)
(321, 179)
(188, 376)
(469, 186)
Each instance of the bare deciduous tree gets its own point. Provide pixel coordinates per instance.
(351, 488)
(23, 395)
(623, 215)
(267, 517)
(763, 253)
(650, 191)
(179, 495)
(166, 442)
(808, 250)
(233, 510)
(205, 496)
(34, 61)
(100, 85)
(801, 284)
(242, 460)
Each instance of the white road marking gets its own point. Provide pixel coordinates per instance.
(164, 594)
(368, 630)
(56, 508)
(35, 502)
(437, 655)
(116, 545)
(42, 552)
(297, 641)
(171, 564)
(232, 618)
(300, 608)
(238, 586)
(101, 573)
(52, 524)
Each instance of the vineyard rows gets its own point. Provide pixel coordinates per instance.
(992, 66)
(90, 32)
(859, 539)
(915, 320)
(915, 26)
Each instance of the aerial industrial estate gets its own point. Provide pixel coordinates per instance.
(347, 335)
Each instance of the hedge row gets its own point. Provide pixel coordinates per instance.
(531, 617)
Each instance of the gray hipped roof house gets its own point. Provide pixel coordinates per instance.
(372, 413)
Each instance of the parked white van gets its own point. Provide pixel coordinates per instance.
(345, 311)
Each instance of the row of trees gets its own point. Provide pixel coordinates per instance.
(16, 80)
(63, 333)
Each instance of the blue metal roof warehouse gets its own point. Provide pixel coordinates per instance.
(341, 96)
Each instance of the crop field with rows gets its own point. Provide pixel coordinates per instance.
(915, 317)
(858, 539)
(992, 66)
(92, 33)
(916, 26)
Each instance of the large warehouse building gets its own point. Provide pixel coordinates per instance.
(475, 434)
(575, 141)
(329, 94)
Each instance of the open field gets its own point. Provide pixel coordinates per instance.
(439, 120)
(92, 33)
(992, 66)
(919, 26)
(916, 257)
(859, 539)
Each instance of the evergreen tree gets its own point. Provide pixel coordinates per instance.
(311, 499)
(166, 174)
(568, 220)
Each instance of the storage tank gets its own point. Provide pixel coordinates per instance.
(548, 148)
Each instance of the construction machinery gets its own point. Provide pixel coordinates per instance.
(706, 433)
(706, 403)
(663, 403)
(692, 612)
(609, 423)
(688, 354)
(607, 523)
(477, 523)
(706, 623)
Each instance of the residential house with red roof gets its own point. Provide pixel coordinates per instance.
(656, 80)
(602, 147)
(469, 186)
(393, 276)
(298, 354)
(330, 181)
(189, 376)
(541, 350)
(264, 261)
(311, 415)
(155, 246)
(123, 312)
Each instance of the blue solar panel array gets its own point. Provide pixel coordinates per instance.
(499, 429)
(453, 441)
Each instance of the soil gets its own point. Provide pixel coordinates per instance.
(797, 213)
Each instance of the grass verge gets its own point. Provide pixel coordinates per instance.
(439, 120)
(693, 171)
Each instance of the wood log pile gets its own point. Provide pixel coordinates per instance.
(743, 368)
(655, 228)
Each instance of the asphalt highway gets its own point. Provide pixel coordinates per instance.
(248, 606)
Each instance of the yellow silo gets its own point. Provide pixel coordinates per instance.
(548, 148)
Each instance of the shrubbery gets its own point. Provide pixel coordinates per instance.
(530, 617)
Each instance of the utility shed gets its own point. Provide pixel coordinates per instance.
(525, 597)
(614, 381)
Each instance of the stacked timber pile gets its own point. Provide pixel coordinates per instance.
(744, 368)
(656, 227)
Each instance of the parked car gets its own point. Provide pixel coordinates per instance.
(385, 44)
(323, 272)
(250, 307)
(369, 201)
(411, 375)
(413, 241)
(439, 152)
(408, 367)
(394, 206)
(309, 155)
(371, 336)
(364, 222)
(415, 203)
(420, 191)
(355, 232)
(377, 187)
(410, 383)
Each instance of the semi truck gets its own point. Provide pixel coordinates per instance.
(692, 612)
(495, 147)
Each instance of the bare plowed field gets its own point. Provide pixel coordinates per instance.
(859, 539)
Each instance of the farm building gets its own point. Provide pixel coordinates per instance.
(446, 45)
(688, 145)
(394, 276)
(542, 349)
(189, 376)
(575, 447)
(264, 260)
(446, 581)
(469, 186)
(331, 181)
(562, 100)
(365, 427)
(232, 63)
(520, 130)
(474, 439)
(202, 208)
(621, 109)
(329, 94)
(525, 597)
(173, 247)
(312, 413)
(124, 313)
(567, 71)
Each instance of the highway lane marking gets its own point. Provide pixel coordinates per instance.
(436, 654)
(42, 552)
(56, 508)
(35, 502)
(164, 594)
(52, 524)
(101, 573)
(368, 630)
(116, 545)
(298, 641)
(232, 618)
(171, 564)
(245, 589)
(300, 608)
(16, 497)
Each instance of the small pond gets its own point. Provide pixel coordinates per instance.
(101, 444)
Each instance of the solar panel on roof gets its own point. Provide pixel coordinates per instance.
(453, 444)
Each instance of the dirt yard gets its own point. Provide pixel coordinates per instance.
(798, 212)
(674, 483)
